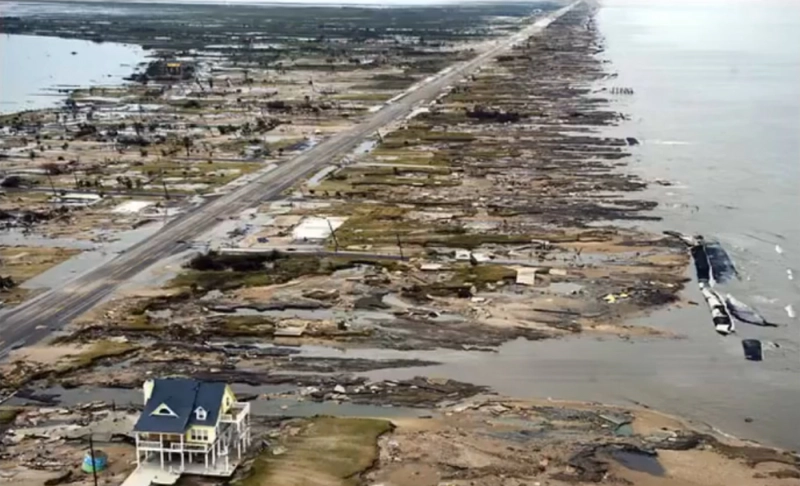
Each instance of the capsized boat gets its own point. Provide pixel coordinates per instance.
(723, 323)
(744, 312)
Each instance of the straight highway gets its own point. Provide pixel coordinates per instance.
(36, 318)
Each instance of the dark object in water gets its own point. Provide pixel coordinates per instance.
(752, 349)
(744, 312)
(722, 267)
(631, 141)
(701, 265)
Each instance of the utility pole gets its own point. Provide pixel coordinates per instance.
(164, 184)
(400, 246)
(52, 186)
(94, 464)
(333, 233)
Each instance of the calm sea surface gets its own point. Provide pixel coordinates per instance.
(33, 68)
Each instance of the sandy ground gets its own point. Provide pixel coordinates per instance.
(467, 448)
(43, 354)
(497, 442)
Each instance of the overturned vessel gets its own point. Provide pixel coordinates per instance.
(744, 312)
(723, 323)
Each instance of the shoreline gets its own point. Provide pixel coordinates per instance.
(60, 66)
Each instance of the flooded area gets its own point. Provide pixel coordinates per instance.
(697, 376)
(52, 64)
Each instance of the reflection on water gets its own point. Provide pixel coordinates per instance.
(32, 68)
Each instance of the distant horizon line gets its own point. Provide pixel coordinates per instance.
(309, 3)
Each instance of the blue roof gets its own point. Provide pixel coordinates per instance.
(183, 396)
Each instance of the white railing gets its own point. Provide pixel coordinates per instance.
(172, 447)
(241, 409)
(195, 447)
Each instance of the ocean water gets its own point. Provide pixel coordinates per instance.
(716, 105)
(33, 68)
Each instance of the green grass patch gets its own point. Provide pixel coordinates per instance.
(375, 97)
(8, 415)
(228, 272)
(424, 135)
(471, 241)
(352, 180)
(371, 225)
(213, 174)
(328, 451)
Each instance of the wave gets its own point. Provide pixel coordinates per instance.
(667, 142)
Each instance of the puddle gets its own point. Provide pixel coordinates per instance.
(566, 288)
(637, 461)
(438, 355)
(364, 147)
(77, 396)
(356, 317)
(292, 408)
(94, 254)
(289, 406)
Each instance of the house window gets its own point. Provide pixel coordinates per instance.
(198, 435)
(200, 413)
(164, 410)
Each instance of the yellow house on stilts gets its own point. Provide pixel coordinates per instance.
(191, 427)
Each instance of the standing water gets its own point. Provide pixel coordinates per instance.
(33, 68)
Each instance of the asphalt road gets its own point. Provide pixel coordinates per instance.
(37, 317)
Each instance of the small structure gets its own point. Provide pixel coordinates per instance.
(76, 199)
(526, 276)
(174, 68)
(316, 229)
(190, 426)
